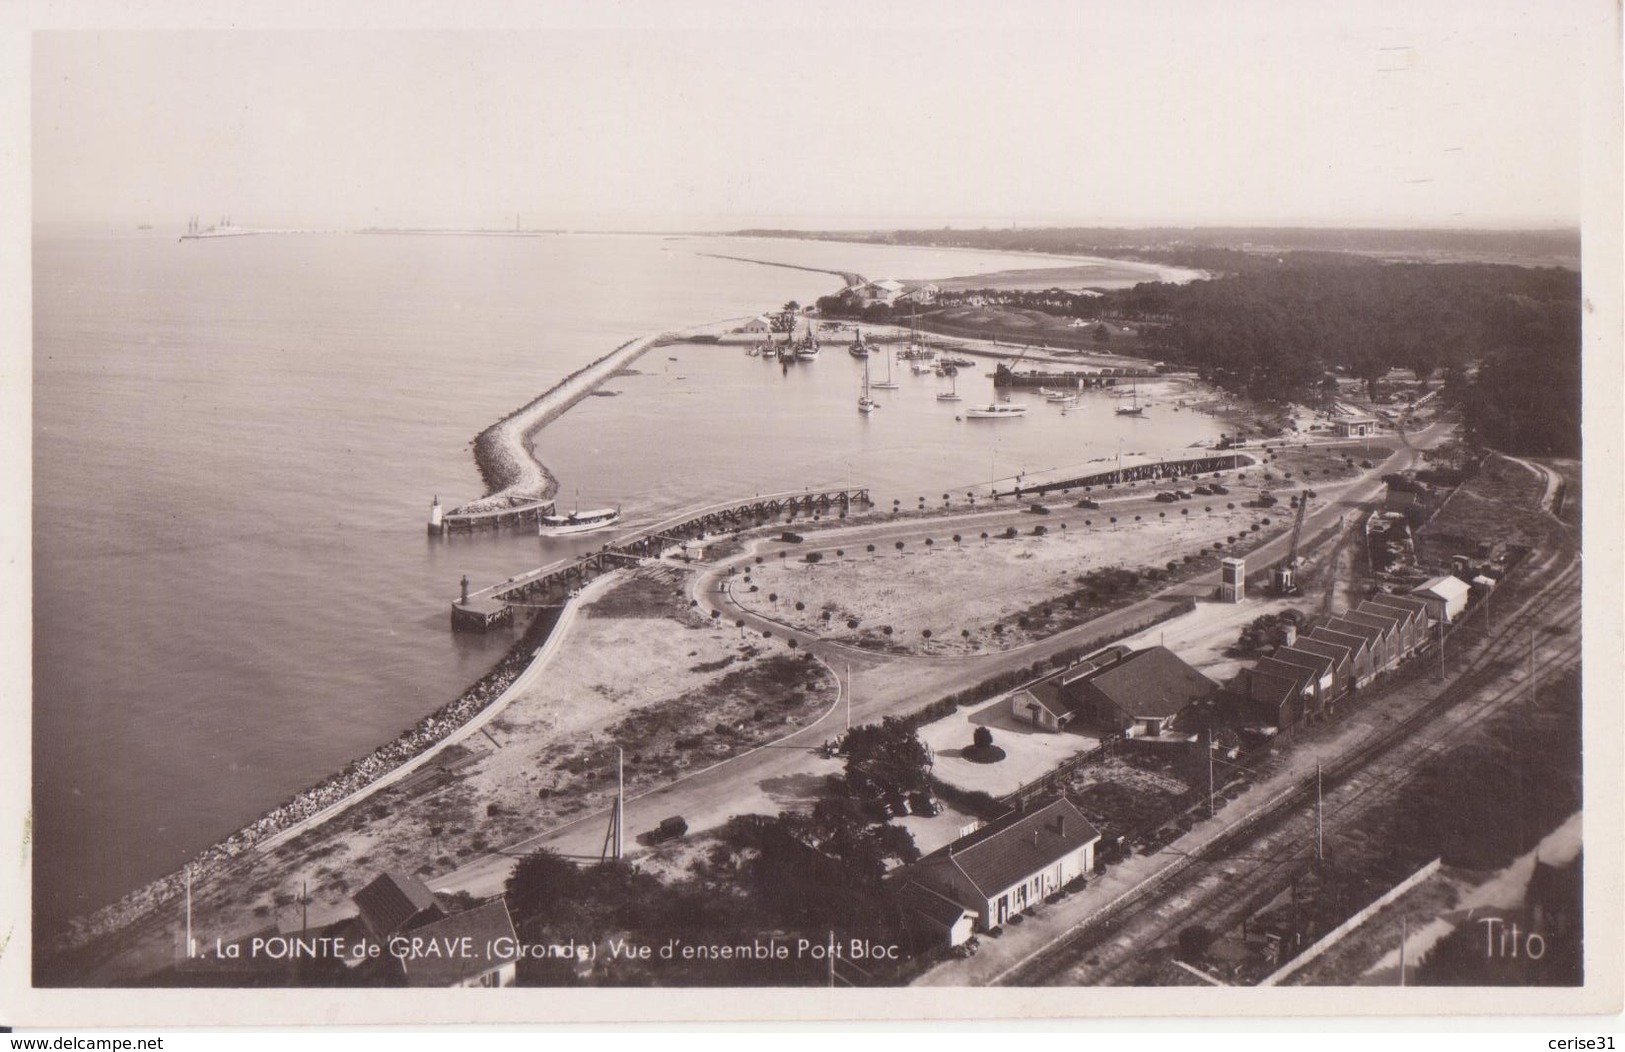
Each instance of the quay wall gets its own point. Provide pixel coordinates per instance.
(1138, 473)
(511, 473)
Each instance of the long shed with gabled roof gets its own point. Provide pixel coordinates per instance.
(1012, 863)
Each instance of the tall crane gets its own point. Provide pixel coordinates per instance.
(1283, 578)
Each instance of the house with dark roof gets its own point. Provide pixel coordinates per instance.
(1052, 702)
(477, 947)
(396, 902)
(1361, 669)
(1144, 693)
(1010, 864)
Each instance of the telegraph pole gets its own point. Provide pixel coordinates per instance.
(1320, 829)
(190, 949)
(1210, 811)
(1401, 949)
(849, 695)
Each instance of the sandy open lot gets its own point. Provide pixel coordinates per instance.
(952, 588)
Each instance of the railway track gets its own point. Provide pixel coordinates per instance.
(1271, 841)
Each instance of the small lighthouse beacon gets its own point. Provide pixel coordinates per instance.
(436, 524)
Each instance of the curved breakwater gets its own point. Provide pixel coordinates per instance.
(512, 475)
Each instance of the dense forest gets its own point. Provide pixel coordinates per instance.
(1275, 334)
(1231, 249)
(1505, 339)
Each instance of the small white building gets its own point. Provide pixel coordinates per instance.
(1445, 596)
(1041, 705)
(1355, 426)
(759, 325)
(884, 291)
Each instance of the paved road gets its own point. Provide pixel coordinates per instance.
(788, 772)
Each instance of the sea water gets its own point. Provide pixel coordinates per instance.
(235, 446)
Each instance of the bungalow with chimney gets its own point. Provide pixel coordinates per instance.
(1052, 702)
(1144, 693)
(1010, 864)
(761, 325)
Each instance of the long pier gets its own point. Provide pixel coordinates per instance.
(1137, 473)
(552, 584)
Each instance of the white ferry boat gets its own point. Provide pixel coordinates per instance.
(578, 522)
(995, 410)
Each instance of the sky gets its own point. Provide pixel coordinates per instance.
(823, 115)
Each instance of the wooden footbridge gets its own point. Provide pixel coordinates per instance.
(551, 585)
(1136, 473)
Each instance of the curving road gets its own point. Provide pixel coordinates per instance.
(787, 772)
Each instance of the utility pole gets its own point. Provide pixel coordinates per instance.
(190, 949)
(1210, 811)
(849, 695)
(1441, 650)
(1401, 949)
(1320, 827)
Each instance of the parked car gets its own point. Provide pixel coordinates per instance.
(923, 804)
(671, 828)
(896, 806)
(1165, 498)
